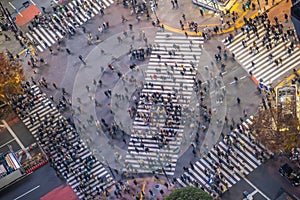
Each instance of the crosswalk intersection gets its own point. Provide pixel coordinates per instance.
(235, 156)
(64, 21)
(80, 168)
(158, 126)
(270, 64)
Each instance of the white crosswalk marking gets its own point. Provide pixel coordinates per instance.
(226, 163)
(270, 64)
(72, 15)
(41, 118)
(157, 127)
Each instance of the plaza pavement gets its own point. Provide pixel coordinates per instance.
(92, 71)
(101, 146)
(99, 142)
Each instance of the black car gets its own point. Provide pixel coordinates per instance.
(286, 171)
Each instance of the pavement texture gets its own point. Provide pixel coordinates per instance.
(69, 72)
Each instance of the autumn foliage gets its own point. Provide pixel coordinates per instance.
(11, 76)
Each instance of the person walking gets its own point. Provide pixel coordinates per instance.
(68, 51)
(201, 12)
(54, 85)
(81, 59)
(183, 17)
(173, 4)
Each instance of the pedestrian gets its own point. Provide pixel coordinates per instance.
(176, 3)
(123, 19)
(173, 4)
(236, 79)
(51, 51)
(238, 100)
(286, 17)
(119, 39)
(81, 59)
(186, 34)
(64, 91)
(68, 51)
(252, 65)
(162, 28)
(6, 37)
(43, 9)
(183, 17)
(201, 12)
(233, 56)
(54, 85)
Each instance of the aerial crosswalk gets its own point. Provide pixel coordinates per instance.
(64, 21)
(158, 126)
(235, 156)
(69, 154)
(267, 63)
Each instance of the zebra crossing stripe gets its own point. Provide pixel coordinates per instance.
(264, 68)
(291, 62)
(43, 109)
(44, 32)
(241, 158)
(71, 8)
(163, 84)
(55, 31)
(78, 10)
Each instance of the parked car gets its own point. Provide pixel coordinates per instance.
(292, 175)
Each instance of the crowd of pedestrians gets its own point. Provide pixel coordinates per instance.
(63, 22)
(227, 161)
(67, 153)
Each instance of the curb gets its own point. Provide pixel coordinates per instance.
(39, 165)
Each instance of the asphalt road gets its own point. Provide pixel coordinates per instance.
(62, 69)
(268, 180)
(33, 186)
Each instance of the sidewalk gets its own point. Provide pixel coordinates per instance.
(209, 20)
(135, 188)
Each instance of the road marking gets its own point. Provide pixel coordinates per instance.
(27, 192)
(256, 188)
(33, 2)
(234, 7)
(253, 193)
(243, 77)
(7, 143)
(15, 9)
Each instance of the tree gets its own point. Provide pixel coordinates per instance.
(188, 193)
(11, 76)
(276, 126)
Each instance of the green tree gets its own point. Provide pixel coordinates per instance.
(188, 193)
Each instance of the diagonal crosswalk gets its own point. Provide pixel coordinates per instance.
(68, 153)
(158, 127)
(64, 21)
(273, 53)
(235, 156)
